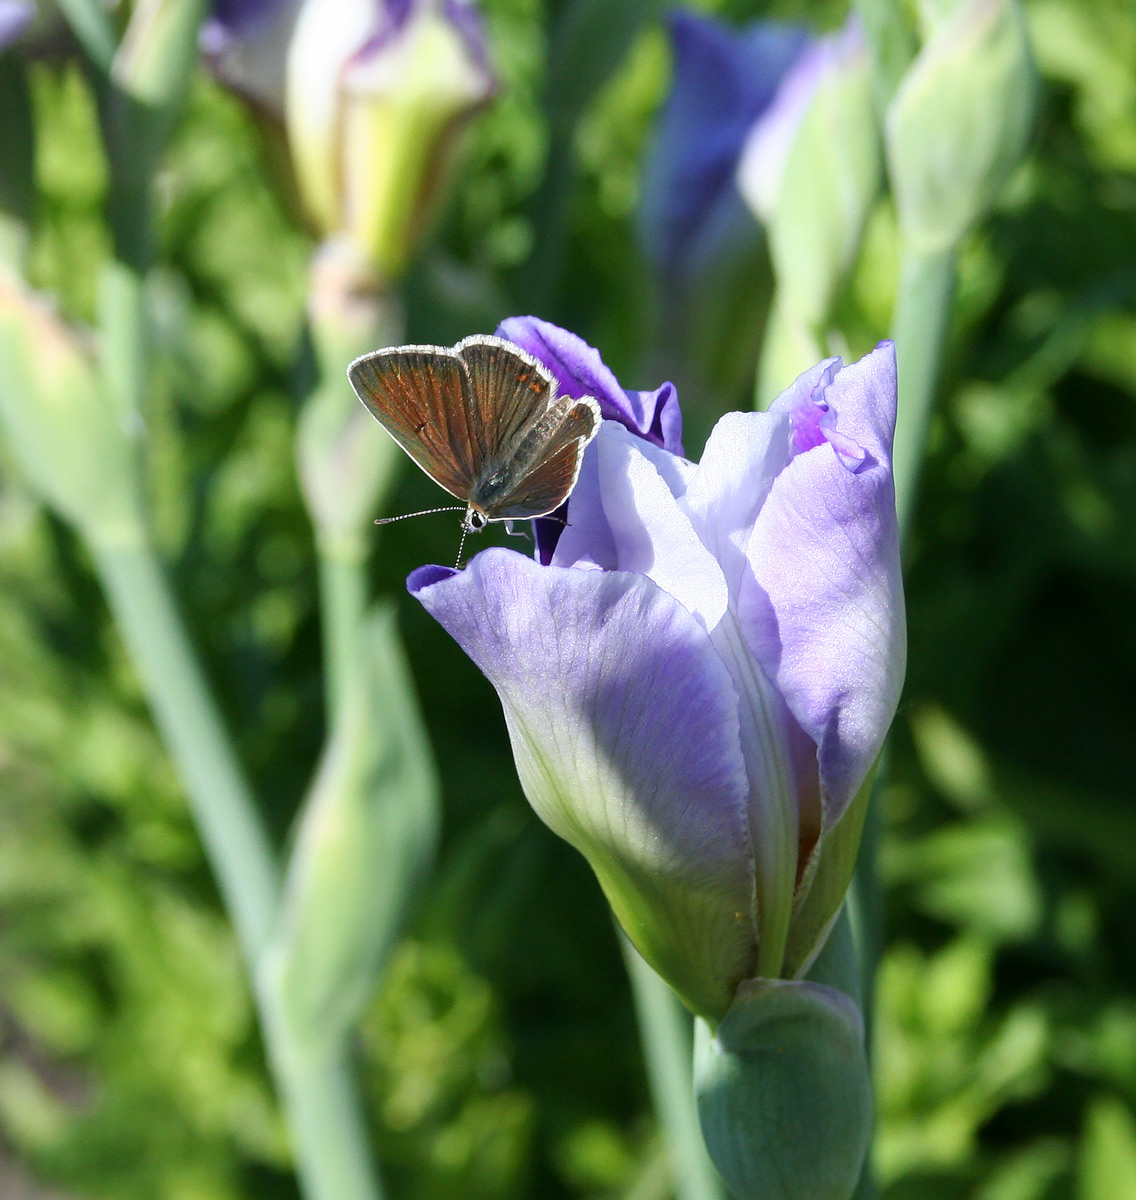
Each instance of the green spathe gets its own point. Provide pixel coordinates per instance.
(72, 446)
(788, 1057)
(364, 844)
(960, 121)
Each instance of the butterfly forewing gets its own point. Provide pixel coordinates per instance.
(419, 394)
(508, 392)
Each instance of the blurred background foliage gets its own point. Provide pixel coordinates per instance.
(501, 1055)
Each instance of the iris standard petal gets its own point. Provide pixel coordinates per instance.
(580, 371)
(624, 726)
(653, 535)
(823, 607)
(744, 454)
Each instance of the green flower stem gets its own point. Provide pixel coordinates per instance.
(317, 1090)
(222, 804)
(343, 606)
(331, 1145)
(919, 326)
(665, 1031)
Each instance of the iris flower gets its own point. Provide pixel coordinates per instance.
(698, 682)
(724, 80)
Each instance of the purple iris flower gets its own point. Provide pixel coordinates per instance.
(698, 684)
(15, 17)
(724, 80)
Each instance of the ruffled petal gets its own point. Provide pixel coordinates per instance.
(823, 607)
(624, 725)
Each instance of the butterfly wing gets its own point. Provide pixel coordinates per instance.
(509, 391)
(421, 396)
(544, 463)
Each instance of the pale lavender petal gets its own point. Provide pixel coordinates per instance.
(744, 454)
(823, 608)
(652, 534)
(624, 727)
(586, 540)
(15, 17)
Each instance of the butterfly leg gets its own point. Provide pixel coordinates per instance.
(513, 529)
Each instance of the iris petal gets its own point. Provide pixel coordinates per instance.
(624, 725)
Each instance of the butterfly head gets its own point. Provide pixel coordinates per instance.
(474, 520)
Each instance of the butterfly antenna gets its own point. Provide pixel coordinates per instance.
(425, 512)
(461, 547)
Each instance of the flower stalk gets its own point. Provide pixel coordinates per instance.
(665, 1033)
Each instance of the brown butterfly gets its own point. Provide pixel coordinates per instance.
(484, 421)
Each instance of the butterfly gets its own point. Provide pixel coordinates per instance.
(483, 419)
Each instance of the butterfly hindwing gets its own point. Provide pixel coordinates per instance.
(539, 472)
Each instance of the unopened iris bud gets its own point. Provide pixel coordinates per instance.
(810, 170)
(960, 121)
(364, 843)
(65, 435)
(372, 108)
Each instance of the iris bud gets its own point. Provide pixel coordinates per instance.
(67, 438)
(364, 843)
(372, 112)
(960, 121)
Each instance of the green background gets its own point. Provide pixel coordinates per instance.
(500, 1056)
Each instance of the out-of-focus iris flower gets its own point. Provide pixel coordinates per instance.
(833, 78)
(810, 171)
(15, 17)
(372, 93)
(699, 683)
(724, 79)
